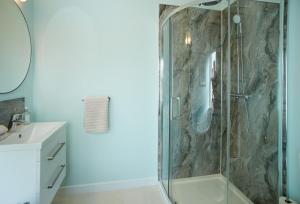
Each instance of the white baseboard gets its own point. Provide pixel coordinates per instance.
(108, 186)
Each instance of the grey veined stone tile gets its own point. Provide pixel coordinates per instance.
(10, 107)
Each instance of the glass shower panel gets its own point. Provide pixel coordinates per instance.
(196, 101)
(255, 101)
(165, 61)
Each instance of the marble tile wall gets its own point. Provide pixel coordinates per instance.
(10, 107)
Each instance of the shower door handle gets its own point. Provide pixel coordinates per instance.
(176, 108)
(178, 99)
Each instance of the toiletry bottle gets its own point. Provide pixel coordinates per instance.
(27, 116)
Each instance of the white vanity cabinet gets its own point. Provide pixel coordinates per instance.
(33, 163)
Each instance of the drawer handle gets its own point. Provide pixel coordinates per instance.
(56, 178)
(56, 152)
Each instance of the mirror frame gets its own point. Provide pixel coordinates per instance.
(30, 54)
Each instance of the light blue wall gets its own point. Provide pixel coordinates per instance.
(26, 89)
(294, 99)
(99, 47)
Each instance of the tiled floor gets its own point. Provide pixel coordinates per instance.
(144, 195)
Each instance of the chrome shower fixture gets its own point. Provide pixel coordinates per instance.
(210, 3)
(237, 19)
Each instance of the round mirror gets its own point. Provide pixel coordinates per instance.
(15, 46)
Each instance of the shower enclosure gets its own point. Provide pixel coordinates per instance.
(222, 102)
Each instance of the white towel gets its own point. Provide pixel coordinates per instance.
(96, 114)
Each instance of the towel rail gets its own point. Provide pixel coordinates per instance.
(83, 99)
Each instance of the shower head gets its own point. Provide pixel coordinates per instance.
(210, 3)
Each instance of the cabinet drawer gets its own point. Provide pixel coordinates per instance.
(52, 147)
(51, 185)
(53, 166)
(48, 167)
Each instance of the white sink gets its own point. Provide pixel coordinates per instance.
(33, 135)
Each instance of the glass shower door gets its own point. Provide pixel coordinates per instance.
(255, 101)
(196, 103)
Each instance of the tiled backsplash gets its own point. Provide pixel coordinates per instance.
(10, 107)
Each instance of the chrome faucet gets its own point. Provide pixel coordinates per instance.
(17, 119)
